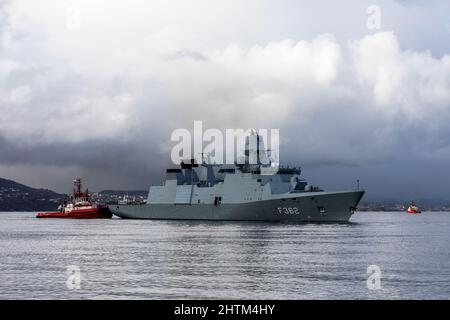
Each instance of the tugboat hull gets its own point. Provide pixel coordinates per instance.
(413, 209)
(91, 213)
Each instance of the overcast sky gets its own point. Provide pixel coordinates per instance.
(94, 88)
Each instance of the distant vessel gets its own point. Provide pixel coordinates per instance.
(413, 209)
(241, 192)
(80, 206)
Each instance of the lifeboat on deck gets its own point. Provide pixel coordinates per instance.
(80, 206)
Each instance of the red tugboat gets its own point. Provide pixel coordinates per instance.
(80, 206)
(413, 209)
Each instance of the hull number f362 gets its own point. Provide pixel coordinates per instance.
(288, 210)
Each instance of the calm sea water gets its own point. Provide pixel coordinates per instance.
(136, 259)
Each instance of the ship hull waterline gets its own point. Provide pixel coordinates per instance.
(311, 207)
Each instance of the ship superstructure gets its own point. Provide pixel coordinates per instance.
(242, 191)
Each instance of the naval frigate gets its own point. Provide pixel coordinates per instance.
(241, 192)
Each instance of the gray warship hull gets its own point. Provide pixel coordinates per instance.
(301, 207)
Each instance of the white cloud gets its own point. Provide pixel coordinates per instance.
(414, 84)
(20, 96)
(124, 89)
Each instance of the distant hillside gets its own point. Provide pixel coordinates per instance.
(18, 197)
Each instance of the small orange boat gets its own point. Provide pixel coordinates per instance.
(80, 206)
(413, 209)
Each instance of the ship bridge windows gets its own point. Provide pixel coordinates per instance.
(174, 171)
(229, 170)
(289, 171)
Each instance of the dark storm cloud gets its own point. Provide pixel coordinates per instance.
(91, 153)
(119, 164)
